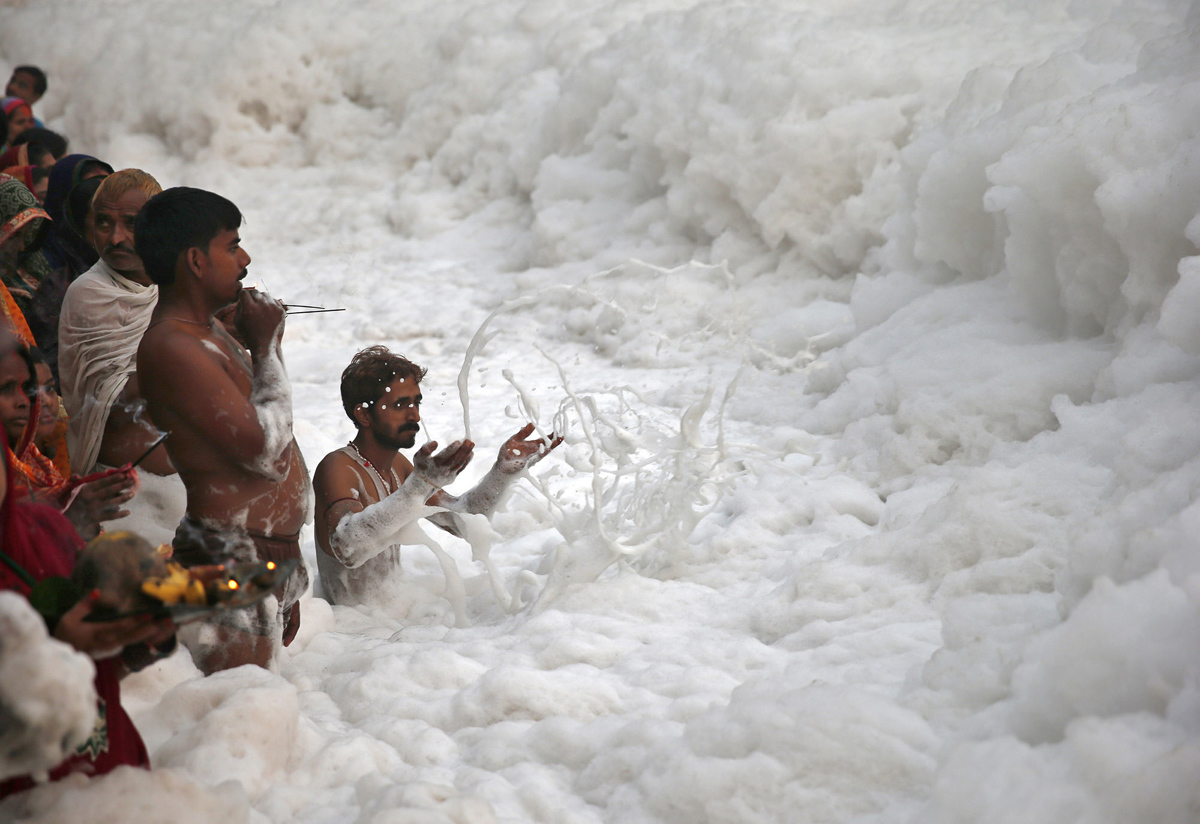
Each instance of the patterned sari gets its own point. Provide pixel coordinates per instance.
(24, 270)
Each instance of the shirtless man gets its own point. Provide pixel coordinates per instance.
(367, 492)
(228, 412)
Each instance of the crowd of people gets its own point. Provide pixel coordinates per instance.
(130, 298)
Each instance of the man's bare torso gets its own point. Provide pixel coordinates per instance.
(219, 490)
(343, 485)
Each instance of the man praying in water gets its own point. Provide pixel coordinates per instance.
(229, 415)
(368, 493)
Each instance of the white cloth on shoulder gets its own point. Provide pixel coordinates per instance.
(104, 316)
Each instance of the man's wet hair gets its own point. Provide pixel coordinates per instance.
(177, 220)
(40, 84)
(370, 373)
(50, 141)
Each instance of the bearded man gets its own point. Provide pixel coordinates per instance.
(368, 493)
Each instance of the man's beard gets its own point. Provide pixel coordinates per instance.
(402, 440)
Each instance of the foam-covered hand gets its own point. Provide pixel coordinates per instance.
(520, 453)
(442, 468)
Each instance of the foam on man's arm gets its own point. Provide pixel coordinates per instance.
(483, 498)
(271, 396)
(360, 536)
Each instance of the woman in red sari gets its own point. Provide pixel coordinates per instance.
(37, 542)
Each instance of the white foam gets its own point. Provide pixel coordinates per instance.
(48, 699)
(872, 325)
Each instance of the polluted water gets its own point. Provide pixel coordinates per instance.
(872, 328)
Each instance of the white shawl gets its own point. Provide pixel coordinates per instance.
(104, 316)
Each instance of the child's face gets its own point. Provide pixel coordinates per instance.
(48, 418)
(22, 85)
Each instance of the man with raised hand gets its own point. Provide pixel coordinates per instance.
(229, 415)
(368, 493)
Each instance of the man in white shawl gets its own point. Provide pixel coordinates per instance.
(104, 315)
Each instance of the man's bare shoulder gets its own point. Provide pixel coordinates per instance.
(332, 463)
(335, 475)
(166, 348)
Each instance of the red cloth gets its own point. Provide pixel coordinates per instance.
(45, 544)
(15, 156)
(23, 173)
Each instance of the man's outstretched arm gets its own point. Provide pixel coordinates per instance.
(357, 533)
(518, 454)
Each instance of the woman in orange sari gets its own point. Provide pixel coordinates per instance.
(85, 504)
(22, 220)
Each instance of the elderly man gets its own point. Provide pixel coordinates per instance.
(368, 493)
(229, 415)
(104, 314)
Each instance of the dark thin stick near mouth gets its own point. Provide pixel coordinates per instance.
(153, 447)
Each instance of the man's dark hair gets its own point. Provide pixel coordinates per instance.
(369, 374)
(176, 220)
(39, 78)
(35, 357)
(52, 142)
(36, 153)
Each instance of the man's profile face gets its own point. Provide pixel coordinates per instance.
(396, 416)
(14, 403)
(112, 232)
(225, 265)
(24, 86)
